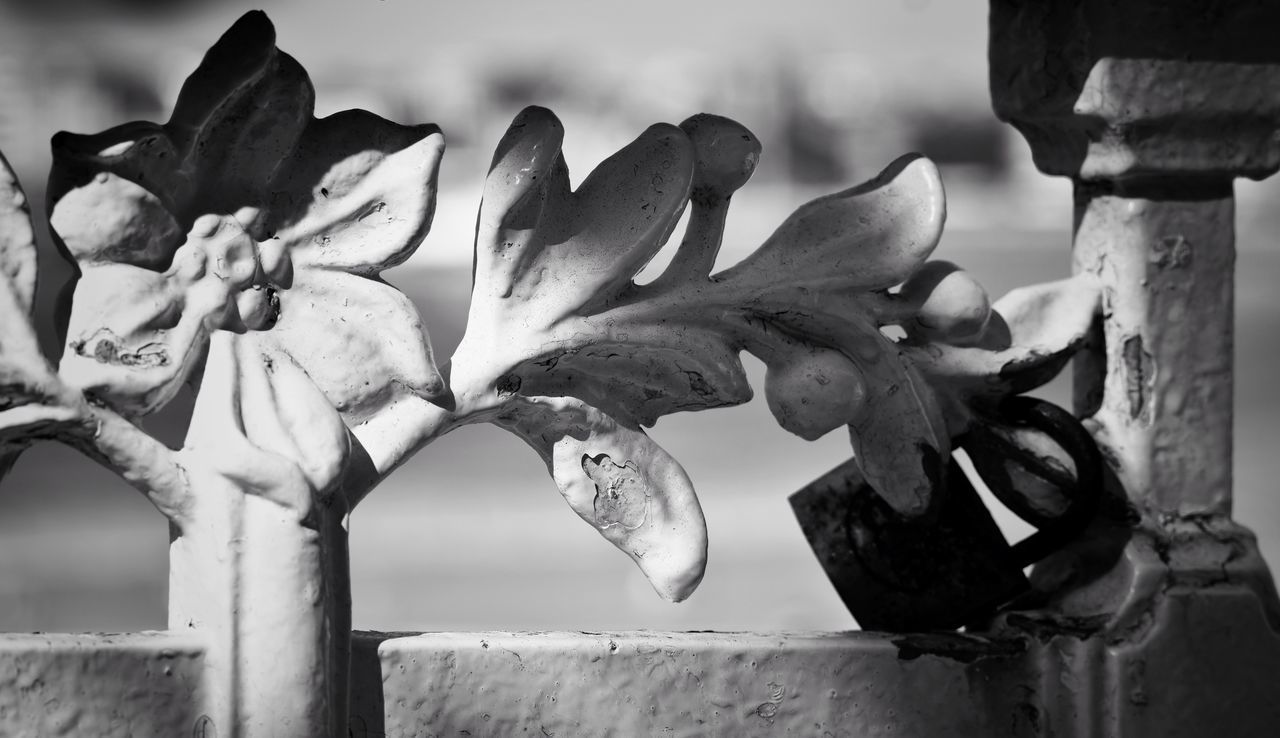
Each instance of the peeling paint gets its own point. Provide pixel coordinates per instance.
(508, 385)
(622, 496)
(954, 646)
(1045, 626)
(1139, 377)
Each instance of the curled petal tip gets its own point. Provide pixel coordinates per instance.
(534, 128)
(666, 134)
(433, 139)
(917, 174)
(536, 115)
(679, 590)
(532, 142)
(914, 172)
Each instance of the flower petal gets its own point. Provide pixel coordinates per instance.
(111, 219)
(359, 339)
(870, 237)
(237, 59)
(239, 116)
(143, 153)
(359, 194)
(623, 484)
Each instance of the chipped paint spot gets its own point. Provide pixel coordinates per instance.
(699, 385)
(955, 646)
(508, 385)
(622, 497)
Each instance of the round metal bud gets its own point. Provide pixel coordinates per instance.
(727, 154)
(813, 393)
(952, 306)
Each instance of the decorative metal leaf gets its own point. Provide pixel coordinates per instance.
(555, 311)
(554, 269)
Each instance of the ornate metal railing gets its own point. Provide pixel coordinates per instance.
(237, 248)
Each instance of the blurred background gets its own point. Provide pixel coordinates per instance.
(472, 534)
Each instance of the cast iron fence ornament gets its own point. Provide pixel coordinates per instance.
(237, 248)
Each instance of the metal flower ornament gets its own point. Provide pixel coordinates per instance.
(246, 223)
(237, 248)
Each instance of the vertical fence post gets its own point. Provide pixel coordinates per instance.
(1153, 108)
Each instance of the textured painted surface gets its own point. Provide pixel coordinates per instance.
(1170, 676)
(1153, 108)
(105, 686)
(1159, 387)
(1210, 658)
(1202, 661)
(687, 684)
